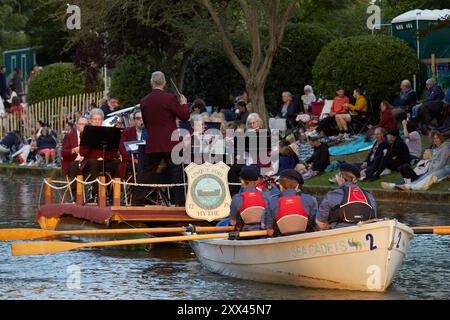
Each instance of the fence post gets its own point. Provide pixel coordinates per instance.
(101, 193)
(79, 198)
(48, 192)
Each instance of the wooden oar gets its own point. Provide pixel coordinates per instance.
(28, 234)
(46, 247)
(431, 227)
(439, 231)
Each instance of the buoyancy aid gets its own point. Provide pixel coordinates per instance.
(253, 207)
(354, 208)
(292, 218)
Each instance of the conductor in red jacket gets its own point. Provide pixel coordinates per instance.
(71, 153)
(159, 113)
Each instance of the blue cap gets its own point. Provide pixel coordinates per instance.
(250, 173)
(350, 168)
(292, 174)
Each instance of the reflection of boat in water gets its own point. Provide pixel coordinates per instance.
(364, 257)
(213, 193)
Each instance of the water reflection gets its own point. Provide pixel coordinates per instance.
(172, 272)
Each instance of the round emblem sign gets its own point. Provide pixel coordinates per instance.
(208, 192)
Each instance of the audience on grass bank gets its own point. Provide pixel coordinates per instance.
(405, 100)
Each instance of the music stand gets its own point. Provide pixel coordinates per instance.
(101, 138)
(133, 148)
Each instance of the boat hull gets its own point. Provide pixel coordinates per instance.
(365, 257)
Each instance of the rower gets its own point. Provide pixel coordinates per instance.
(248, 207)
(289, 214)
(347, 205)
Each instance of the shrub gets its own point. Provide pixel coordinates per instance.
(55, 80)
(378, 63)
(130, 81)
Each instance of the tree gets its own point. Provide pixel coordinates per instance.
(256, 17)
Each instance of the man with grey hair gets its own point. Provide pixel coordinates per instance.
(160, 111)
(405, 100)
(431, 108)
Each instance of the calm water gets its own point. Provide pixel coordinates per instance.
(170, 272)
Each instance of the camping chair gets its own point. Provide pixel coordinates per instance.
(361, 120)
(326, 109)
(317, 108)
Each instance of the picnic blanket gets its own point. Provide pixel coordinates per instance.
(354, 147)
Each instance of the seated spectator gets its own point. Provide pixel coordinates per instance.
(130, 134)
(360, 105)
(375, 157)
(92, 162)
(254, 122)
(46, 144)
(397, 155)
(387, 120)
(39, 125)
(33, 150)
(319, 161)
(288, 159)
(405, 101)
(198, 106)
(242, 112)
(338, 108)
(412, 139)
(70, 153)
(10, 143)
(431, 107)
(230, 104)
(308, 98)
(288, 110)
(289, 214)
(437, 168)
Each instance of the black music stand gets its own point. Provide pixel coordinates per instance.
(101, 138)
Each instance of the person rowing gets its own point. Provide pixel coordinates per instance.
(347, 205)
(289, 214)
(248, 207)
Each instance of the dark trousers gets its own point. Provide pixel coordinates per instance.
(94, 168)
(148, 165)
(72, 172)
(407, 172)
(326, 125)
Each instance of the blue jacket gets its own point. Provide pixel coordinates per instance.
(46, 142)
(10, 140)
(435, 93)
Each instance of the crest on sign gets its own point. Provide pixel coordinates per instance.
(208, 196)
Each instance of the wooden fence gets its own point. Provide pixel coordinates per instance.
(53, 112)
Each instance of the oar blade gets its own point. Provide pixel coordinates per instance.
(23, 234)
(43, 247)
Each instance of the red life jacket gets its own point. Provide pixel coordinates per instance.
(253, 207)
(354, 208)
(292, 217)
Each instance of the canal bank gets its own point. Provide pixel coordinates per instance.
(317, 190)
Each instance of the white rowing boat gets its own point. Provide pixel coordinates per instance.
(364, 257)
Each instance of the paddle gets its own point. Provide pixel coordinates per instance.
(432, 230)
(28, 234)
(46, 247)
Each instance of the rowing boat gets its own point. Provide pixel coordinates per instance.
(365, 257)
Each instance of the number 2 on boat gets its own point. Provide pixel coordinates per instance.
(369, 237)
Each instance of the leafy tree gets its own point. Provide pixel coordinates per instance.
(379, 63)
(55, 80)
(130, 81)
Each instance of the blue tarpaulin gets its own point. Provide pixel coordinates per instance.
(351, 148)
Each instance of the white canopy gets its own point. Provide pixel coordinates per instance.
(427, 15)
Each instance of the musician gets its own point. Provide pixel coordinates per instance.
(130, 134)
(71, 153)
(92, 163)
(159, 113)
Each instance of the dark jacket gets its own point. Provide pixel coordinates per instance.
(320, 159)
(4, 91)
(159, 112)
(10, 140)
(46, 142)
(406, 100)
(375, 158)
(398, 152)
(435, 93)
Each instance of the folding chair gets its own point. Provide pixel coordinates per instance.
(361, 120)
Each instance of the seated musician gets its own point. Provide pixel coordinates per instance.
(130, 134)
(71, 153)
(289, 214)
(248, 208)
(92, 163)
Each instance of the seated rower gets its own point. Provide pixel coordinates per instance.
(347, 205)
(248, 207)
(92, 163)
(290, 213)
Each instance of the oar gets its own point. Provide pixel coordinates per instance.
(431, 227)
(439, 231)
(28, 234)
(46, 247)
